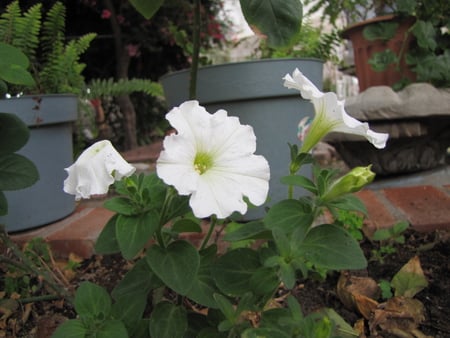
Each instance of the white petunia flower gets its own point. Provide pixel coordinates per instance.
(330, 114)
(95, 170)
(211, 158)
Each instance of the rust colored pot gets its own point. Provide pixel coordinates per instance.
(364, 49)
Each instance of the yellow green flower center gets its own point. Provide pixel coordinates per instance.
(202, 162)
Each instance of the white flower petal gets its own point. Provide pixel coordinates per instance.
(95, 170)
(331, 113)
(232, 172)
(300, 82)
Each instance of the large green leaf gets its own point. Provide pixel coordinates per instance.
(15, 74)
(107, 242)
(129, 309)
(71, 328)
(17, 172)
(112, 329)
(289, 215)
(279, 20)
(133, 232)
(13, 66)
(234, 270)
(331, 247)
(204, 286)
(14, 133)
(177, 265)
(92, 301)
(139, 280)
(168, 320)
(425, 34)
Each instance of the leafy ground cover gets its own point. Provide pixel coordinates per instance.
(40, 314)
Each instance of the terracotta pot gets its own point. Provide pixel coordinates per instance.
(364, 49)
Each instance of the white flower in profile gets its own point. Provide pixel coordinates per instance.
(211, 158)
(95, 170)
(330, 114)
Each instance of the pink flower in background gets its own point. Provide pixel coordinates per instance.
(106, 14)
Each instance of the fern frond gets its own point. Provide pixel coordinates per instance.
(108, 87)
(62, 73)
(53, 31)
(26, 35)
(8, 22)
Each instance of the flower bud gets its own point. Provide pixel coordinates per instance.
(353, 181)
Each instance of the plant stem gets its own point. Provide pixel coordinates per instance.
(212, 224)
(38, 299)
(195, 50)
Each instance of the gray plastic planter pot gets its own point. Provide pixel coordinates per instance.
(254, 92)
(50, 119)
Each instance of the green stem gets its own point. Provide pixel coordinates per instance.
(212, 224)
(38, 299)
(195, 50)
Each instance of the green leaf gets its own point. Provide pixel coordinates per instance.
(225, 307)
(139, 280)
(92, 301)
(186, 225)
(425, 34)
(14, 133)
(265, 332)
(331, 247)
(107, 242)
(264, 281)
(112, 329)
(233, 271)
(147, 8)
(287, 274)
(349, 202)
(302, 181)
(17, 172)
(380, 61)
(121, 205)
(72, 328)
(204, 286)
(279, 20)
(129, 309)
(15, 74)
(380, 31)
(13, 66)
(250, 230)
(168, 320)
(177, 265)
(133, 232)
(289, 215)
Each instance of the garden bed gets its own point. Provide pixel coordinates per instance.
(38, 319)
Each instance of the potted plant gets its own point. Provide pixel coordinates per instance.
(406, 41)
(49, 110)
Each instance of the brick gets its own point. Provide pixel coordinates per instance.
(426, 207)
(80, 235)
(379, 215)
